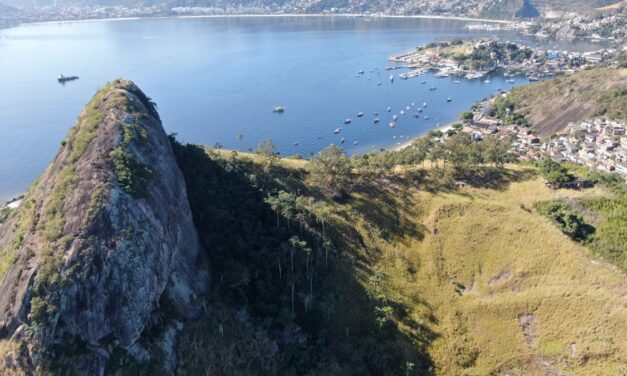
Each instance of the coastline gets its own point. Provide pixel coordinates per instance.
(442, 128)
(270, 15)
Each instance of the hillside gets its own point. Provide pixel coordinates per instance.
(485, 8)
(325, 267)
(550, 105)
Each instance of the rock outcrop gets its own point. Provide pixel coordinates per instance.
(103, 250)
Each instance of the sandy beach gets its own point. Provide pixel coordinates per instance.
(405, 144)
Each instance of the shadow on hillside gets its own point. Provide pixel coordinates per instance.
(499, 179)
(379, 202)
(336, 329)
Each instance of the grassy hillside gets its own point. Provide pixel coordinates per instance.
(550, 105)
(408, 278)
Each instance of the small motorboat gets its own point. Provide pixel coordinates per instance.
(389, 109)
(424, 104)
(337, 130)
(347, 121)
(63, 79)
(432, 88)
(449, 99)
(376, 120)
(278, 110)
(360, 114)
(354, 142)
(394, 117)
(402, 112)
(342, 140)
(392, 124)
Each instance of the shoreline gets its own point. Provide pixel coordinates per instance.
(270, 15)
(403, 145)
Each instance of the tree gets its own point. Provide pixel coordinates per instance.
(438, 152)
(463, 152)
(554, 172)
(467, 116)
(331, 171)
(284, 203)
(496, 150)
(267, 149)
(422, 148)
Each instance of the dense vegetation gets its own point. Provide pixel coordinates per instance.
(599, 222)
(554, 172)
(284, 298)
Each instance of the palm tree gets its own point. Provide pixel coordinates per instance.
(274, 203)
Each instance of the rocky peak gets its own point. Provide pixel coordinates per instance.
(102, 244)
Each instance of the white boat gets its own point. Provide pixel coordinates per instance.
(456, 81)
(441, 75)
(423, 82)
(392, 124)
(337, 130)
(347, 121)
(449, 99)
(487, 81)
(391, 78)
(354, 142)
(402, 112)
(342, 140)
(278, 110)
(389, 109)
(426, 118)
(432, 88)
(394, 117)
(360, 114)
(376, 120)
(407, 108)
(424, 104)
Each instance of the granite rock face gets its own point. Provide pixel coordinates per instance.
(103, 244)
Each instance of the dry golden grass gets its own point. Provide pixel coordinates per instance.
(485, 260)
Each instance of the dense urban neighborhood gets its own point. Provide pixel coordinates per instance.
(598, 143)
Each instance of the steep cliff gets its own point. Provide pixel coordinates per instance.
(103, 250)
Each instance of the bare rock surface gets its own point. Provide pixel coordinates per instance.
(102, 241)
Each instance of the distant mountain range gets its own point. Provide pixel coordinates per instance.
(505, 9)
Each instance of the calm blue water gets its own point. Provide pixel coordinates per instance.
(215, 78)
